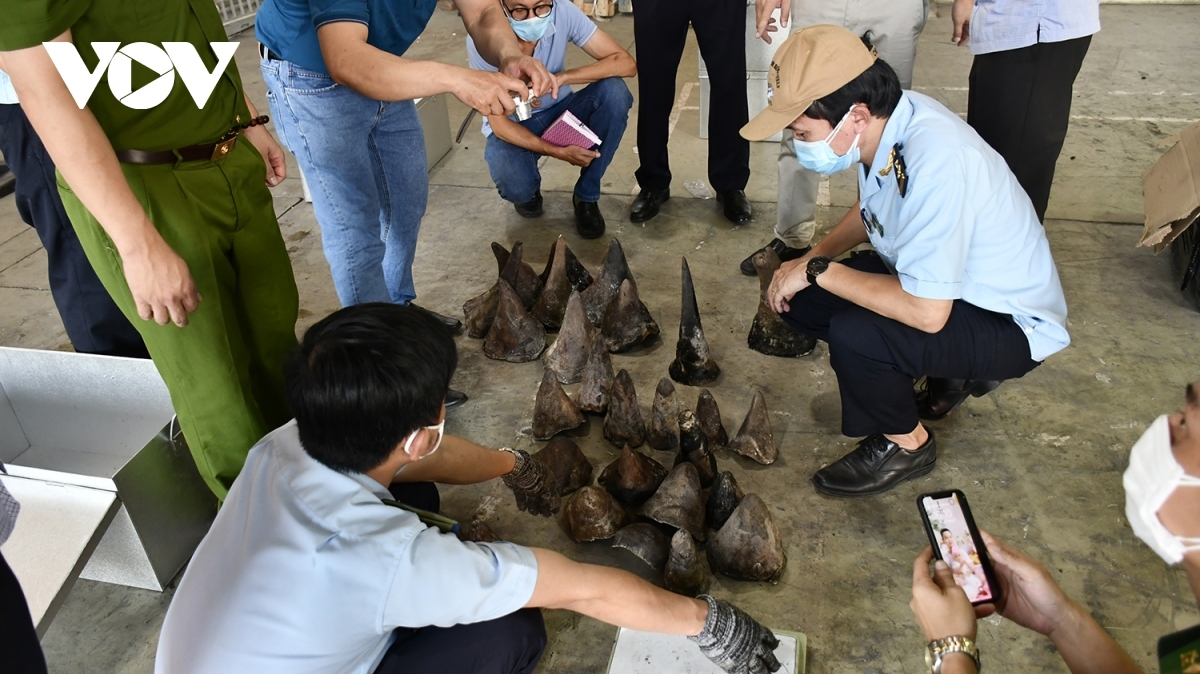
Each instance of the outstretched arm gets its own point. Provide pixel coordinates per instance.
(497, 44)
(459, 461)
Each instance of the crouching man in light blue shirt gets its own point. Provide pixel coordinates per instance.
(308, 568)
(961, 289)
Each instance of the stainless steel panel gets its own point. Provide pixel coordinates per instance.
(435, 122)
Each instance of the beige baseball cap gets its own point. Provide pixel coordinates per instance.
(811, 64)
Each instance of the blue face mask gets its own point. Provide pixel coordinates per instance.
(819, 156)
(533, 28)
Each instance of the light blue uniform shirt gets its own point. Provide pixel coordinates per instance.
(1000, 25)
(305, 570)
(8, 95)
(570, 26)
(964, 229)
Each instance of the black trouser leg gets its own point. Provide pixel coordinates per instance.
(660, 32)
(721, 36)
(20, 651)
(1019, 101)
(877, 359)
(93, 322)
(421, 495)
(509, 645)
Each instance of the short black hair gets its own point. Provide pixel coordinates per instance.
(947, 531)
(364, 378)
(878, 87)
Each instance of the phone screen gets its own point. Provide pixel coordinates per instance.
(956, 542)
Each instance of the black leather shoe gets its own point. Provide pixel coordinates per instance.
(452, 324)
(588, 220)
(531, 208)
(781, 249)
(645, 206)
(939, 397)
(455, 398)
(736, 206)
(875, 466)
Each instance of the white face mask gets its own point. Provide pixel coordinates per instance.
(1152, 476)
(441, 431)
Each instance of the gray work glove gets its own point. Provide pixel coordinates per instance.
(734, 641)
(531, 485)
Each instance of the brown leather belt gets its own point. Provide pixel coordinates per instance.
(206, 152)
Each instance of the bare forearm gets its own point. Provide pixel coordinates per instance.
(459, 461)
(1088, 649)
(613, 596)
(846, 234)
(490, 31)
(515, 134)
(377, 74)
(883, 294)
(613, 65)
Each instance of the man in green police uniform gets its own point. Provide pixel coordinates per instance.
(171, 207)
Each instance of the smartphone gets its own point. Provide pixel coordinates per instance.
(956, 541)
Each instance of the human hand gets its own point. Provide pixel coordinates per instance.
(162, 287)
(1028, 595)
(941, 607)
(532, 486)
(765, 23)
(789, 279)
(529, 69)
(575, 155)
(489, 93)
(734, 641)
(271, 152)
(960, 14)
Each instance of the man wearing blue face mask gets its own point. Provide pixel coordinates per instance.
(545, 28)
(1162, 503)
(963, 290)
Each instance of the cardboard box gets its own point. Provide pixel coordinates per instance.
(1171, 191)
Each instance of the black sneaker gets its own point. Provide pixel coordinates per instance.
(531, 208)
(781, 249)
(875, 466)
(588, 220)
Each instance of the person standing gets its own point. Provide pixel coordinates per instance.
(93, 322)
(1027, 55)
(342, 95)
(660, 29)
(514, 147)
(171, 205)
(894, 27)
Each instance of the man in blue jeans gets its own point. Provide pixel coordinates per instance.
(341, 94)
(544, 29)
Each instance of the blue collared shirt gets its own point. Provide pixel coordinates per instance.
(8, 95)
(306, 570)
(1000, 25)
(964, 228)
(570, 26)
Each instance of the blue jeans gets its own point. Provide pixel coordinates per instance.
(603, 106)
(365, 165)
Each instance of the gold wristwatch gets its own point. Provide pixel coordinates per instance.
(938, 649)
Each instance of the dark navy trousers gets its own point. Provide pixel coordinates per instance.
(94, 323)
(877, 359)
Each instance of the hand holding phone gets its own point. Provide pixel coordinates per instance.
(956, 541)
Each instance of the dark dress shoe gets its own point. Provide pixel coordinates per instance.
(531, 208)
(781, 249)
(939, 397)
(455, 398)
(875, 466)
(452, 324)
(588, 220)
(645, 206)
(736, 206)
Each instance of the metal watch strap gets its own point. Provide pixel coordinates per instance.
(938, 649)
(517, 456)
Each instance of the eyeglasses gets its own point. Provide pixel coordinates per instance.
(522, 13)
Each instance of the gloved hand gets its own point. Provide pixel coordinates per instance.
(531, 485)
(734, 641)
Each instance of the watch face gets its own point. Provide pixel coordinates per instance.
(818, 265)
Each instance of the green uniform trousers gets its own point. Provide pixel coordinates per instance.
(225, 369)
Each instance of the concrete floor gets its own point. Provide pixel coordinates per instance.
(1041, 458)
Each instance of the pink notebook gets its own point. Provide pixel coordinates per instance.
(568, 130)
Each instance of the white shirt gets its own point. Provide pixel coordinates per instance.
(306, 570)
(964, 228)
(1001, 25)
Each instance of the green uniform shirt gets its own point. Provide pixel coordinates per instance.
(172, 124)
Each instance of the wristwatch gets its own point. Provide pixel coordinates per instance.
(520, 459)
(938, 649)
(816, 267)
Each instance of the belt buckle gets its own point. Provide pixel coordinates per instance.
(223, 147)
